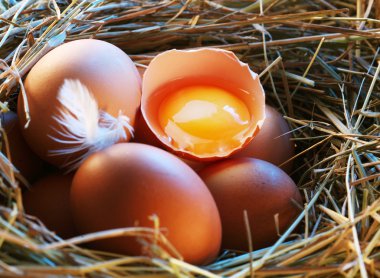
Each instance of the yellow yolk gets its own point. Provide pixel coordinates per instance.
(203, 119)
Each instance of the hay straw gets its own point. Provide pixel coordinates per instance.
(318, 61)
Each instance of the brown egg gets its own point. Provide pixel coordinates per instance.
(28, 163)
(273, 143)
(143, 134)
(87, 67)
(260, 188)
(202, 110)
(125, 184)
(49, 200)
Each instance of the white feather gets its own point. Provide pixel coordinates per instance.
(84, 127)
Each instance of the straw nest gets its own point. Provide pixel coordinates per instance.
(318, 61)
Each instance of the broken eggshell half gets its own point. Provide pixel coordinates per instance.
(217, 67)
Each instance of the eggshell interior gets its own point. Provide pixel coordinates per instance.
(215, 64)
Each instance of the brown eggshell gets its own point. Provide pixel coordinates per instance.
(273, 143)
(49, 200)
(209, 64)
(126, 183)
(143, 134)
(28, 163)
(104, 69)
(260, 188)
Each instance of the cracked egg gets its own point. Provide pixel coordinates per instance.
(202, 104)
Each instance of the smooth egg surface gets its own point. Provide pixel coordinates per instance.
(107, 72)
(23, 158)
(49, 200)
(273, 143)
(258, 187)
(125, 184)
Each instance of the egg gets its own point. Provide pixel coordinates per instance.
(143, 134)
(28, 163)
(273, 143)
(49, 200)
(83, 95)
(260, 188)
(202, 104)
(125, 184)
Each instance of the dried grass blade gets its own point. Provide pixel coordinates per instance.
(337, 217)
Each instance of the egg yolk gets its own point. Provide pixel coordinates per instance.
(204, 119)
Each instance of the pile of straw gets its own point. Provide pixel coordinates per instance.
(318, 62)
